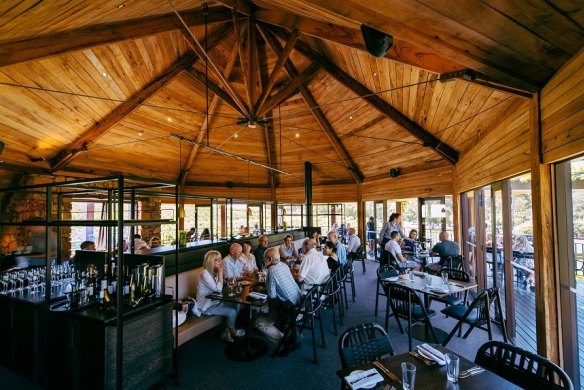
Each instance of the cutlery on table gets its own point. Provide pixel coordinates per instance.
(470, 372)
(427, 361)
(389, 374)
(364, 377)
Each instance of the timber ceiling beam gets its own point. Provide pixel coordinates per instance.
(318, 113)
(377, 102)
(277, 68)
(199, 77)
(198, 48)
(401, 51)
(242, 61)
(270, 153)
(204, 128)
(456, 45)
(102, 34)
(64, 156)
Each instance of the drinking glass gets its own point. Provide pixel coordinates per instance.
(231, 282)
(428, 279)
(411, 274)
(444, 277)
(408, 376)
(452, 366)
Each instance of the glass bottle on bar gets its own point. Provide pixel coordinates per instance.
(104, 282)
(108, 304)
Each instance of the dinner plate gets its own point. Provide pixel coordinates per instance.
(369, 386)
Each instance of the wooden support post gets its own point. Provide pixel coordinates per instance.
(546, 286)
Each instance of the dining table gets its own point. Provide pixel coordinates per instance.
(437, 289)
(252, 347)
(428, 377)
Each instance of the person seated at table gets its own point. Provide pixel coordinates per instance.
(232, 266)
(523, 247)
(211, 281)
(248, 259)
(192, 234)
(342, 233)
(138, 242)
(205, 235)
(394, 248)
(313, 269)
(284, 295)
(341, 251)
(260, 250)
(353, 245)
(411, 241)
(332, 260)
(445, 249)
(315, 235)
(88, 246)
(288, 249)
(154, 242)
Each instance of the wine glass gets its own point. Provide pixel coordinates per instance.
(231, 282)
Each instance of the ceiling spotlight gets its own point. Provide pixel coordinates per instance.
(374, 74)
(351, 117)
(251, 125)
(104, 74)
(168, 119)
(140, 133)
(122, 5)
(297, 135)
(235, 135)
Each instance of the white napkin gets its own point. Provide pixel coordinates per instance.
(392, 279)
(257, 295)
(432, 353)
(364, 378)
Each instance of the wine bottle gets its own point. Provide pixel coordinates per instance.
(108, 304)
(104, 278)
(112, 280)
(89, 282)
(126, 281)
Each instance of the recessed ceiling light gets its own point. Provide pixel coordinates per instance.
(374, 74)
(235, 135)
(168, 119)
(140, 133)
(104, 74)
(351, 117)
(297, 135)
(122, 5)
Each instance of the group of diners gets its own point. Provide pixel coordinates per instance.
(394, 243)
(289, 274)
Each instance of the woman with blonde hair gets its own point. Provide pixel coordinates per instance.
(212, 281)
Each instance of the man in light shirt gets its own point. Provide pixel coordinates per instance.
(232, 267)
(353, 245)
(394, 248)
(341, 251)
(314, 269)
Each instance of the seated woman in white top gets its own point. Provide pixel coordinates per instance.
(288, 249)
(247, 258)
(212, 281)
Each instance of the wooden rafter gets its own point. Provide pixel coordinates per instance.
(101, 34)
(206, 121)
(271, 154)
(277, 68)
(401, 51)
(242, 61)
(198, 48)
(252, 68)
(318, 114)
(64, 156)
(443, 149)
(199, 77)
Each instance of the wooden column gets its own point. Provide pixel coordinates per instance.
(455, 220)
(546, 286)
(362, 221)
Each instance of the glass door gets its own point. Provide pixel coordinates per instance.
(432, 214)
(381, 218)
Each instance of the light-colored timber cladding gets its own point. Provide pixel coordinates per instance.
(107, 85)
(562, 117)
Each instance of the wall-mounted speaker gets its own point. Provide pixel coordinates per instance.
(394, 172)
(1, 147)
(376, 42)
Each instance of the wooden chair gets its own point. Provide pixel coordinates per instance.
(364, 343)
(523, 368)
(454, 299)
(384, 272)
(477, 315)
(406, 304)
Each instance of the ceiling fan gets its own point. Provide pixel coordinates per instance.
(252, 122)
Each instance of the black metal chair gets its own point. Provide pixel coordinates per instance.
(330, 297)
(523, 368)
(364, 343)
(454, 299)
(477, 315)
(384, 272)
(308, 311)
(348, 278)
(360, 255)
(454, 262)
(406, 304)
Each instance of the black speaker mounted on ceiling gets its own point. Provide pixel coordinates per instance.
(376, 42)
(394, 172)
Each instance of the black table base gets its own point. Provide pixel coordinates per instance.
(420, 332)
(239, 353)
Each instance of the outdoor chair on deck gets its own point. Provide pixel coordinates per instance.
(384, 272)
(308, 311)
(406, 304)
(523, 368)
(477, 315)
(348, 278)
(454, 262)
(360, 255)
(364, 343)
(454, 299)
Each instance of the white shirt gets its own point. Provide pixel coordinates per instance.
(313, 269)
(393, 247)
(249, 265)
(353, 244)
(207, 285)
(232, 268)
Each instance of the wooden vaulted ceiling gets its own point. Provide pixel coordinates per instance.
(90, 88)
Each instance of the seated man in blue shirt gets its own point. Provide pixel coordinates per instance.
(341, 251)
(445, 249)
